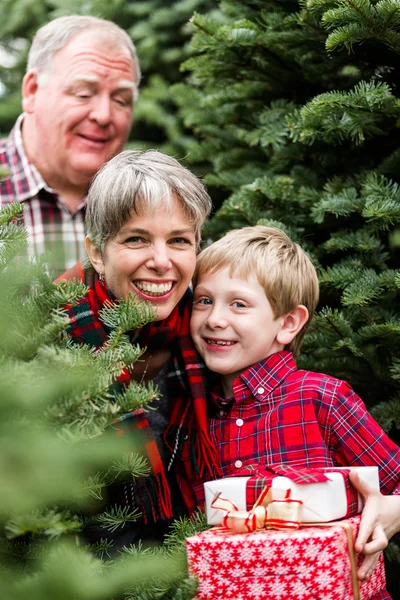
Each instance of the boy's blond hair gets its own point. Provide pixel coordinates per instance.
(280, 265)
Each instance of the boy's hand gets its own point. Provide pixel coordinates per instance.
(380, 520)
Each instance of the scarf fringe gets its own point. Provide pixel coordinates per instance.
(150, 495)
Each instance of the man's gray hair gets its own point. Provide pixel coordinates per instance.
(140, 182)
(56, 34)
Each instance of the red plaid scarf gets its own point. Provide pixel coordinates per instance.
(188, 418)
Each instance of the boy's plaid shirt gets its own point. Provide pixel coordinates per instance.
(51, 226)
(281, 415)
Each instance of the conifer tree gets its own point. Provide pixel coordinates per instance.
(56, 455)
(295, 108)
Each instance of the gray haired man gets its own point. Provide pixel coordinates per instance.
(77, 96)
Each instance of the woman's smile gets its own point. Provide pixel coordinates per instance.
(153, 256)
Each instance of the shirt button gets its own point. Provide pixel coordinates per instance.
(239, 422)
(260, 390)
(238, 464)
(221, 413)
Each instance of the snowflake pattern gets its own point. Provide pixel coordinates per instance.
(308, 564)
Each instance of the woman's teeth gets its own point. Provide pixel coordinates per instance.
(154, 289)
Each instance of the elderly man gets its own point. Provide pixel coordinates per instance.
(77, 96)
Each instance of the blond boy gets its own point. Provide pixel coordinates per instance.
(255, 294)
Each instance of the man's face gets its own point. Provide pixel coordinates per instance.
(79, 114)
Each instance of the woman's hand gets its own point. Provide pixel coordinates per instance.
(380, 520)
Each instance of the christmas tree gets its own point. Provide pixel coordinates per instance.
(295, 108)
(59, 449)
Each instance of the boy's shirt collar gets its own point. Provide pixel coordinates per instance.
(260, 379)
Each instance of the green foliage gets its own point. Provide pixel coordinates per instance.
(55, 408)
(295, 107)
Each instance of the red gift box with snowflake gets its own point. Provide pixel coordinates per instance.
(309, 563)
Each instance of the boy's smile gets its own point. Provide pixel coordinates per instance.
(233, 325)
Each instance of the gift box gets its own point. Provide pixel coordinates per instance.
(325, 494)
(310, 563)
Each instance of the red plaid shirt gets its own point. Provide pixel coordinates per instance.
(50, 224)
(280, 414)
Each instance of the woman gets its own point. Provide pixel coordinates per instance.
(143, 221)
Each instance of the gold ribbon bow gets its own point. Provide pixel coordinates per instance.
(267, 513)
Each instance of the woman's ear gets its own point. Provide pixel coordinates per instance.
(292, 323)
(95, 256)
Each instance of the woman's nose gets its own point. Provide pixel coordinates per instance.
(160, 259)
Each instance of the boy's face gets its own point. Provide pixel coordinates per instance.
(233, 325)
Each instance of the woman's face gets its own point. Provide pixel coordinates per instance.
(152, 257)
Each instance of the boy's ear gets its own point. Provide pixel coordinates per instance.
(94, 255)
(292, 323)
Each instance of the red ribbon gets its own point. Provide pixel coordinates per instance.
(266, 513)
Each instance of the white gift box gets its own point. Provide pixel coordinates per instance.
(322, 502)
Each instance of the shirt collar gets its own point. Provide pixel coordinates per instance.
(266, 375)
(23, 170)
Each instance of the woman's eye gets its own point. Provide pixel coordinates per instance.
(83, 95)
(181, 241)
(134, 239)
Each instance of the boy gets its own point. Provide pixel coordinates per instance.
(255, 293)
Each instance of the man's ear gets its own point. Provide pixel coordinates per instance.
(292, 323)
(29, 88)
(94, 255)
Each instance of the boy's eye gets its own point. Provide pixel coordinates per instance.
(203, 300)
(239, 304)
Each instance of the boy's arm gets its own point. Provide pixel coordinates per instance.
(380, 521)
(357, 439)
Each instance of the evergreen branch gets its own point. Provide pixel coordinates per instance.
(389, 331)
(135, 396)
(387, 413)
(365, 290)
(130, 466)
(49, 522)
(117, 517)
(127, 314)
(8, 212)
(102, 548)
(185, 527)
(93, 487)
(360, 241)
(342, 204)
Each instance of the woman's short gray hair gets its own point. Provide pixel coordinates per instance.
(56, 34)
(140, 182)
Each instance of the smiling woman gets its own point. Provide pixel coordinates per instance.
(143, 221)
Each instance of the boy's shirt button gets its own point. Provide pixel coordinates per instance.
(221, 413)
(239, 422)
(260, 390)
(238, 464)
